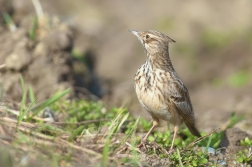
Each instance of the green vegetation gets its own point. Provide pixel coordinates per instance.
(9, 22)
(239, 79)
(214, 40)
(246, 142)
(189, 158)
(108, 132)
(23, 110)
(245, 156)
(33, 30)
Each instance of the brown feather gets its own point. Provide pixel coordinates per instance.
(192, 129)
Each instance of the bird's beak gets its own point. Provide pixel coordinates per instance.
(134, 32)
(137, 33)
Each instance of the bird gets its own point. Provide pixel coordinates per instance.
(158, 87)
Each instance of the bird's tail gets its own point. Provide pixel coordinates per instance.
(193, 129)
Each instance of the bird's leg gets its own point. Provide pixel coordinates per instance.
(174, 136)
(154, 124)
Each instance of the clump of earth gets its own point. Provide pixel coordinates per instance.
(40, 50)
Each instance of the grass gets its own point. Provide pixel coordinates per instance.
(9, 22)
(189, 158)
(87, 132)
(245, 156)
(23, 111)
(114, 130)
(71, 135)
(33, 30)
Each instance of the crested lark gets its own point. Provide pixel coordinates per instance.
(159, 89)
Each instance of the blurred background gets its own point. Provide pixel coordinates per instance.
(85, 45)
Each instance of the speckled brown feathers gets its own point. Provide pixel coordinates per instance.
(158, 87)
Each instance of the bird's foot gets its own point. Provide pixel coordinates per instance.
(142, 144)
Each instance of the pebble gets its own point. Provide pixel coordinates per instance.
(48, 115)
(210, 150)
(221, 162)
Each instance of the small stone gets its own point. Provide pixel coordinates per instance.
(49, 115)
(210, 150)
(221, 162)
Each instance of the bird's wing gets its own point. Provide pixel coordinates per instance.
(179, 96)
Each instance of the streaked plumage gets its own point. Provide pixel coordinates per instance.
(158, 87)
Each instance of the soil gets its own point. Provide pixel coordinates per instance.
(231, 143)
(46, 63)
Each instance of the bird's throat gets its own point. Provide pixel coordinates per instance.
(159, 60)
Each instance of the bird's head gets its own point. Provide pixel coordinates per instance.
(153, 41)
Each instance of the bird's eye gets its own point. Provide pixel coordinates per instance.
(147, 36)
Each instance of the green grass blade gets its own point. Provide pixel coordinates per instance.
(7, 18)
(121, 122)
(117, 123)
(75, 133)
(36, 108)
(179, 158)
(133, 129)
(9, 22)
(234, 120)
(31, 95)
(208, 144)
(23, 114)
(22, 82)
(135, 159)
(23, 101)
(113, 128)
(32, 31)
(105, 153)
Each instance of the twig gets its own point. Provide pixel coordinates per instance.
(132, 148)
(79, 123)
(81, 148)
(12, 123)
(17, 113)
(124, 156)
(200, 138)
(29, 130)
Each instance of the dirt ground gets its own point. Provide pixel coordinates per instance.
(212, 51)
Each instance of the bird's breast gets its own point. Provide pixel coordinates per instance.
(150, 90)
